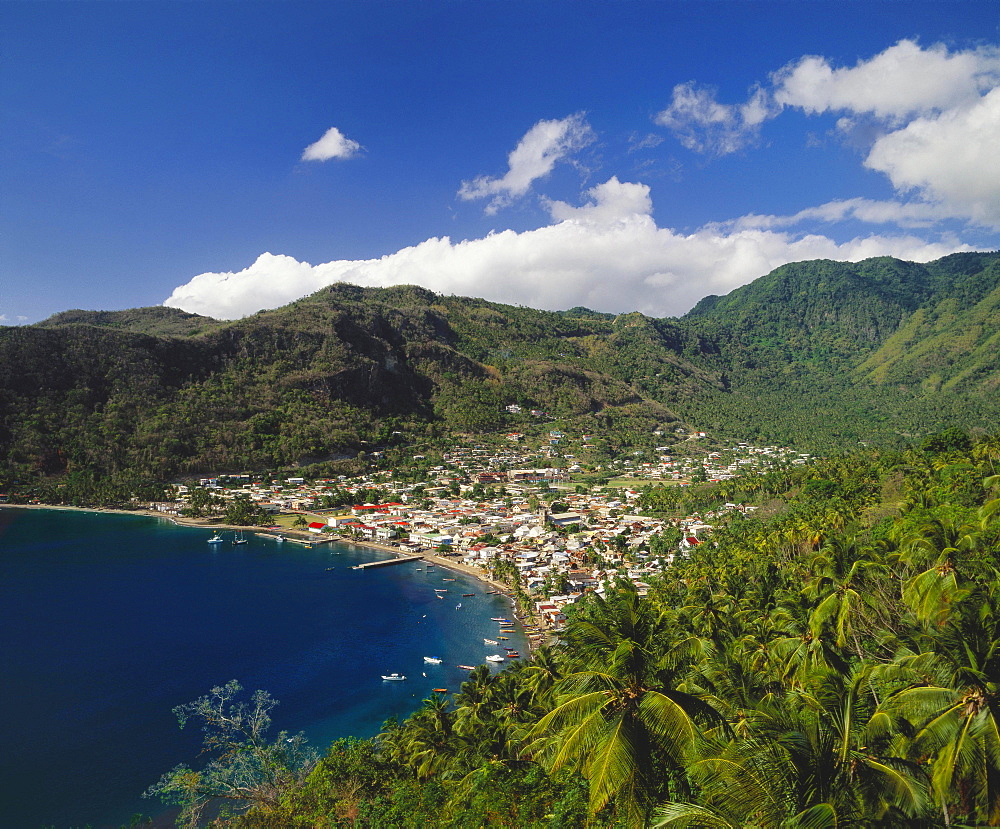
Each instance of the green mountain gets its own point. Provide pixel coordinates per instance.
(816, 354)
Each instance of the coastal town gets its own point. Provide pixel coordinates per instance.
(514, 512)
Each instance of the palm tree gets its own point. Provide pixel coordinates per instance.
(952, 699)
(818, 758)
(619, 714)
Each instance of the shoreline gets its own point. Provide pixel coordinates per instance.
(308, 538)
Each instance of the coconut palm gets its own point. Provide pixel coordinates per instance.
(823, 757)
(619, 714)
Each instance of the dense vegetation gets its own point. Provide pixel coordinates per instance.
(832, 662)
(816, 354)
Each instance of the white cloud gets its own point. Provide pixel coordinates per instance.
(952, 158)
(902, 214)
(608, 255)
(333, 144)
(536, 154)
(610, 202)
(927, 118)
(704, 125)
(903, 81)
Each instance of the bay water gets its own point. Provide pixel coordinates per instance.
(109, 621)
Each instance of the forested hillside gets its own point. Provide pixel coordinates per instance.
(818, 355)
(832, 659)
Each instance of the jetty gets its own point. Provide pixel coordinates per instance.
(386, 562)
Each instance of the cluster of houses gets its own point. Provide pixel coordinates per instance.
(481, 507)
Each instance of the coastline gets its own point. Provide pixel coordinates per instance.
(304, 537)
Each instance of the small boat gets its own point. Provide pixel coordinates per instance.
(494, 658)
(328, 569)
(238, 538)
(393, 677)
(433, 660)
(467, 667)
(215, 539)
(492, 592)
(498, 619)
(447, 580)
(440, 690)
(440, 589)
(503, 638)
(490, 642)
(439, 595)
(467, 594)
(458, 606)
(514, 655)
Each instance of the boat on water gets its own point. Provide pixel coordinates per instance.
(433, 660)
(467, 594)
(498, 619)
(238, 538)
(514, 655)
(490, 642)
(440, 690)
(467, 667)
(447, 580)
(393, 677)
(440, 589)
(215, 539)
(458, 606)
(439, 595)
(503, 638)
(494, 657)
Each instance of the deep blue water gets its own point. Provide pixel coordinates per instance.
(107, 622)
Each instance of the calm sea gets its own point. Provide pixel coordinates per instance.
(107, 622)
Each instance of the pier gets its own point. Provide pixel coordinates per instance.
(387, 562)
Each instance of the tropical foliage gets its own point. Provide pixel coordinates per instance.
(833, 662)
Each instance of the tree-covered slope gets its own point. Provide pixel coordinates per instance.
(816, 354)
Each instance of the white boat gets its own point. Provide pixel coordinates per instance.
(393, 677)
(433, 660)
(458, 606)
(490, 642)
(215, 539)
(238, 538)
(494, 658)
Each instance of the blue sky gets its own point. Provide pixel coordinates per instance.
(229, 157)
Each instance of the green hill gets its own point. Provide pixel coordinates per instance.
(816, 354)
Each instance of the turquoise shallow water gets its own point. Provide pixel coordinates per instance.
(109, 621)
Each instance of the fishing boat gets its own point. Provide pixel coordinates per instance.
(495, 657)
(467, 667)
(215, 539)
(490, 642)
(393, 677)
(433, 660)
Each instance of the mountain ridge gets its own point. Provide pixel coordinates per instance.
(816, 354)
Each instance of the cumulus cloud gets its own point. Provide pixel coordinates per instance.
(927, 118)
(903, 81)
(333, 144)
(704, 125)
(608, 254)
(537, 153)
(950, 158)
